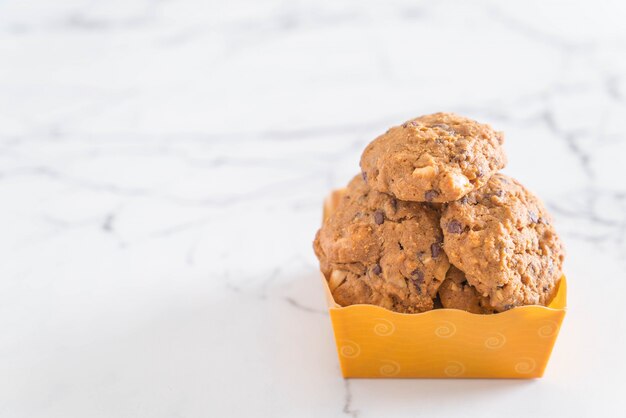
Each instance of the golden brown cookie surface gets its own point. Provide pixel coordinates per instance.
(377, 250)
(502, 238)
(433, 158)
(456, 293)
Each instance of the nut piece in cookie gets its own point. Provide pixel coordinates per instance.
(433, 158)
(502, 238)
(456, 293)
(374, 249)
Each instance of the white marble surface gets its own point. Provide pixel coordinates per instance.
(162, 166)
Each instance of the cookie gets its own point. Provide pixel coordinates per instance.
(503, 239)
(456, 293)
(375, 249)
(433, 158)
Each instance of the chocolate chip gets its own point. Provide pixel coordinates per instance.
(394, 205)
(379, 217)
(533, 216)
(498, 193)
(455, 227)
(400, 246)
(364, 175)
(545, 288)
(445, 127)
(430, 195)
(417, 277)
(435, 249)
(377, 269)
(479, 173)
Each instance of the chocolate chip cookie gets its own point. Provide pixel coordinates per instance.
(375, 249)
(433, 158)
(503, 239)
(456, 293)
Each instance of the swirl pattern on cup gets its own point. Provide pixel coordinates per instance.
(445, 330)
(525, 365)
(384, 327)
(454, 368)
(389, 368)
(349, 349)
(495, 341)
(548, 329)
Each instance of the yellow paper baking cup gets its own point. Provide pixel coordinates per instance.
(375, 342)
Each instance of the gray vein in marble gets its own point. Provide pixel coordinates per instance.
(294, 303)
(182, 227)
(266, 283)
(411, 12)
(612, 84)
(254, 32)
(62, 226)
(292, 134)
(347, 405)
(82, 18)
(570, 139)
(217, 201)
(80, 21)
(56, 175)
(535, 34)
(107, 224)
(249, 32)
(289, 300)
(585, 210)
(589, 238)
(579, 219)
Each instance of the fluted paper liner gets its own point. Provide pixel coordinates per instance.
(444, 343)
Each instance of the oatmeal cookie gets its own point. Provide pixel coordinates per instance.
(502, 238)
(433, 158)
(375, 249)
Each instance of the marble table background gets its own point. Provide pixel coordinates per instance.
(162, 167)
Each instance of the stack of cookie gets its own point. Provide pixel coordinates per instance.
(431, 223)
